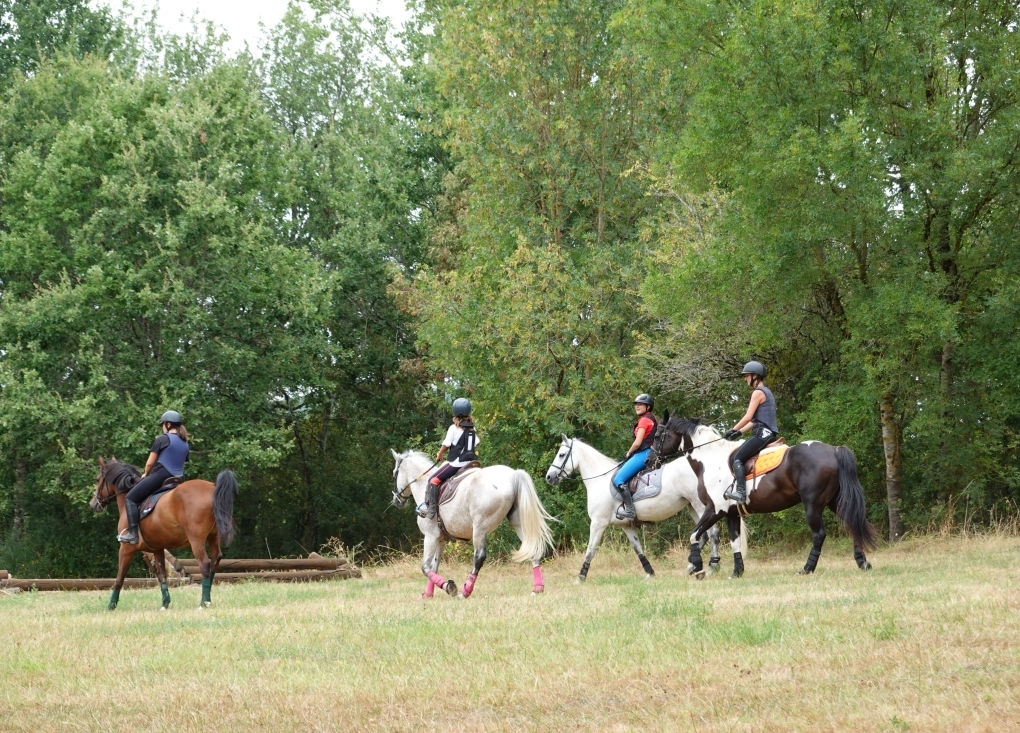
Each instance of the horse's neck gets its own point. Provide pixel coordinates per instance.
(590, 461)
(417, 465)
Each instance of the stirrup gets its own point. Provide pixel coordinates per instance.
(423, 509)
(733, 495)
(623, 513)
(127, 538)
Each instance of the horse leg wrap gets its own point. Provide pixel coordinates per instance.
(114, 599)
(584, 570)
(206, 591)
(469, 584)
(738, 565)
(695, 558)
(165, 590)
(538, 586)
(862, 562)
(430, 588)
(812, 559)
(439, 580)
(646, 566)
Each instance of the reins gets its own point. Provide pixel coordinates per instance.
(400, 494)
(563, 469)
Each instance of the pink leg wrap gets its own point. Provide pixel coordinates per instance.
(430, 587)
(437, 580)
(469, 585)
(539, 580)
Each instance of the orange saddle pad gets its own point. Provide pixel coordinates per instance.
(768, 460)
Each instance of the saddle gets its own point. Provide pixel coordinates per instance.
(769, 459)
(647, 484)
(146, 507)
(448, 489)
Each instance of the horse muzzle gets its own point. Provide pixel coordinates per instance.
(96, 506)
(553, 477)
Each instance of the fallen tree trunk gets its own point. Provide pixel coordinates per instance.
(189, 565)
(4, 575)
(83, 583)
(296, 576)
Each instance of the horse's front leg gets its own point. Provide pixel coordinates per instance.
(707, 521)
(598, 528)
(478, 541)
(124, 557)
(635, 542)
(733, 523)
(713, 559)
(159, 560)
(430, 564)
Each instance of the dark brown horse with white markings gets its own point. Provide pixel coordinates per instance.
(813, 473)
(196, 513)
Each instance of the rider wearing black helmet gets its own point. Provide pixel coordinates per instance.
(637, 454)
(166, 458)
(460, 441)
(760, 418)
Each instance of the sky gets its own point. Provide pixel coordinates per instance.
(240, 18)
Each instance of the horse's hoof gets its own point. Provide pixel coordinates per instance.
(162, 608)
(713, 565)
(450, 588)
(866, 566)
(804, 571)
(111, 607)
(700, 575)
(426, 595)
(736, 576)
(537, 589)
(580, 579)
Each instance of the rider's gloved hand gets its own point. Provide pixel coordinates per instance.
(731, 434)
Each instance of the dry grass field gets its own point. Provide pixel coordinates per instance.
(928, 641)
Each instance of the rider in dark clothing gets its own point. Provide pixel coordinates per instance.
(460, 441)
(166, 459)
(760, 418)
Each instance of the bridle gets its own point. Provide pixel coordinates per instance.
(562, 473)
(658, 458)
(103, 503)
(400, 497)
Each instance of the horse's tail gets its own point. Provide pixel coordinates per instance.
(850, 507)
(534, 520)
(223, 506)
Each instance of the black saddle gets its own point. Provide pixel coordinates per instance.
(149, 504)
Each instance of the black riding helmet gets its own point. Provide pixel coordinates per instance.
(171, 416)
(645, 399)
(755, 367)
(461, 407)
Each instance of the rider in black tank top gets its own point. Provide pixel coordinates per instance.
(760, 419)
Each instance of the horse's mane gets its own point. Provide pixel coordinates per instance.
(684, 425)
(122, 475)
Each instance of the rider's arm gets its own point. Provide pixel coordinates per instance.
(757, 397)
(150, 463)
(441, 453)
(638, 437)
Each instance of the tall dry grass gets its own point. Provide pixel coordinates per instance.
(928, 641)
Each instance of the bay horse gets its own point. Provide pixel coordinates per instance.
(813, 473)
(679, 492)
(482, 501)
(194, 514)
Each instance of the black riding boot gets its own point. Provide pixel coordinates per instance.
(627, 511)
(130, 535)
(428, 507)
(738, 492)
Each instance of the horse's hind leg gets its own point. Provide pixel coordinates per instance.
(705, 523)
(469, 584)
(814, 520)
(538, 582)
(205, 567)
(713, 538)
(159, 560)
(127, 552)
(635, 542)
(859, 558)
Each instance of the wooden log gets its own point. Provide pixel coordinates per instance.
(295, 576)
(4, 575)
(238, 565)
(82, 583)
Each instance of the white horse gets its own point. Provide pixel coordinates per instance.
(483, 500)
(679, 491)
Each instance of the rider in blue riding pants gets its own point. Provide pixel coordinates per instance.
(760, 419)
(637, 454)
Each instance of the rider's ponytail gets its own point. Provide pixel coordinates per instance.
(182, 432)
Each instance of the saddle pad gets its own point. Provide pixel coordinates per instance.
(149, 504)
(649, 486)
(448, 490)
(768, 460)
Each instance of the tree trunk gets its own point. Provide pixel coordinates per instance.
(20, 472)
(892, 440)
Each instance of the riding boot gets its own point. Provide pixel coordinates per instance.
(130, 535)
(428, 507)
(738, 492)
(627, 511)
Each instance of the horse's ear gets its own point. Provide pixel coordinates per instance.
(395, 454)
(564, 436)
(102, 462)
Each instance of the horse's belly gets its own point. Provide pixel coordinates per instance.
(659, 508)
